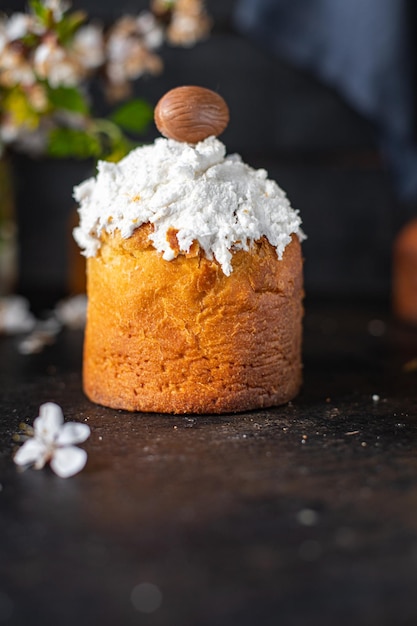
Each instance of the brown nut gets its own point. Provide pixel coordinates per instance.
(191, 114)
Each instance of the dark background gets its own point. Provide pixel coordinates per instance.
(320, 151)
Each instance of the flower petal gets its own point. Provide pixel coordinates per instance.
(49, 422)
(72, 432)
(68, 461)
(31, 451)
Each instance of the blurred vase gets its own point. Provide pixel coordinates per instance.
(8, 232)
(404, 274)
(44, 207)
(76, 261)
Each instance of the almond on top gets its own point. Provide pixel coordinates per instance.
(191, 114)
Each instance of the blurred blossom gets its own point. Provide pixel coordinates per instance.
(72, 312)
(150, 30)
(8, 131)
(15, 315)
(53, 63)
(28, 140)
(48, 56)
(14, 68)
(88, 46)
(18, 26)
(129, 54)
(58, 8)
(37, 97)
(3, 38)
(32, 143)
(128, 59)
(189, 23)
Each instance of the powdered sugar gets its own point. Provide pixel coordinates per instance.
(206, 196)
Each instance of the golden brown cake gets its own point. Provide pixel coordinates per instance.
(194, 283)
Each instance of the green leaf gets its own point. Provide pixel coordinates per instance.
(30, 40)
(40, 10)
(68, 142)
(69, 99)
(118, 149)
(69, 25)
(133, 116)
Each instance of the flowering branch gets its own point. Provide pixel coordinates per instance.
(49, 55)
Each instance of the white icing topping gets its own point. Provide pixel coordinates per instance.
(207, 197)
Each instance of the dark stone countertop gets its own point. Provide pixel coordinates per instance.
(300, 515)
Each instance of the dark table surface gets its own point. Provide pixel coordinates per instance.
(298, 515)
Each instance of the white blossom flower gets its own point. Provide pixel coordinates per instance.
(58, 8)
(38, 98)
(129, 59)
(3, 37)
(53, 63)
(189, 23)
(186, 30)
(43, 334)
(53, 442)
(72, 311)
(128, 48)
(88, 46)
(15, 316)
(150, 30)
(32, 143)
(15, 69)
(9, 130)
(18, 26)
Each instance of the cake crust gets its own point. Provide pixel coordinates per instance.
(182, 337)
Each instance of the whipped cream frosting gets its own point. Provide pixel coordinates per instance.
(200, 192)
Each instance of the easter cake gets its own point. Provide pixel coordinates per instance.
(194, 273)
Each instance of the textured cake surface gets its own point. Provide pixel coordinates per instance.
(182, 337)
